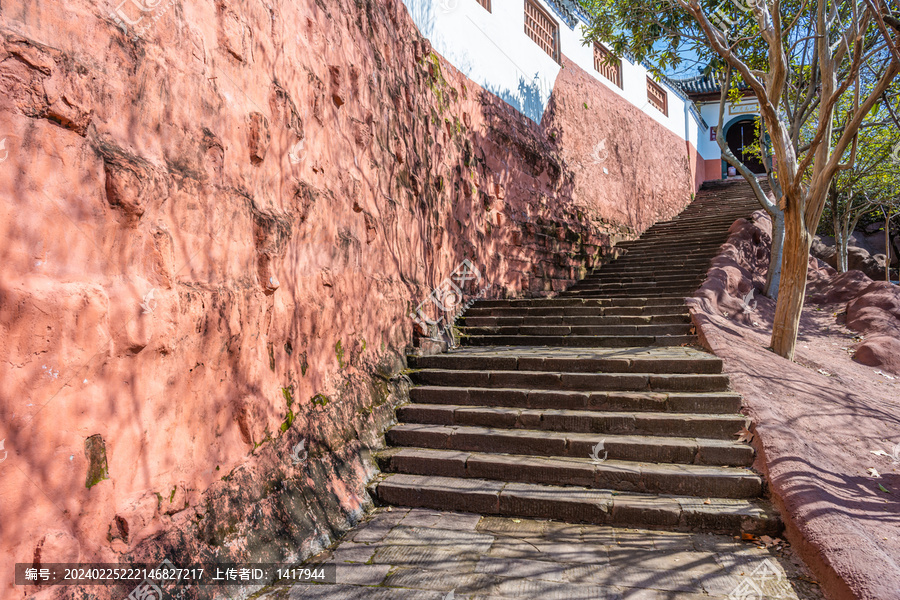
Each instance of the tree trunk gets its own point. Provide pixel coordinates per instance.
(845, 252)
(773, 276)
(841, 247)
(794, 268)
(887, 248)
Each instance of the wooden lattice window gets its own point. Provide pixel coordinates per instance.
(486, 4)
(658, 96)
(608, 64)
(542, 29)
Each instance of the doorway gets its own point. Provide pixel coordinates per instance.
(741, 135)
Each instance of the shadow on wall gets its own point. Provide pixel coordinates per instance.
(526, 99)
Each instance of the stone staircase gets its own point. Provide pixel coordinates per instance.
(589, 407)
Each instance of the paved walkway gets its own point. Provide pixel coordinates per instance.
(417, 554)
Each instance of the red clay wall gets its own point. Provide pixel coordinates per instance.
(627, 166)
(213, 236)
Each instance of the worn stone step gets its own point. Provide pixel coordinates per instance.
(637, 361)
(579, 311)
(672, 247)
(676, 402)
(723, 427)
(675, 241)
(684, 293)
(648, 277)
(670, 449)
(630, 382)
(580, 341)
(466, 321)
(667, 261)
(687, 480)
(602, 288)
(577, 504)
(656, 329)
(576, 303)
(639, 268)
(671, 250)
(650, 283)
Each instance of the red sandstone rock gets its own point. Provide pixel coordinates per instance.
(880, 351)
(818, 419)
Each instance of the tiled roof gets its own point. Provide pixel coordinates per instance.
(701, 84)
(568, 10)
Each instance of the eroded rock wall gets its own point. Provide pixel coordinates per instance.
(216, 218)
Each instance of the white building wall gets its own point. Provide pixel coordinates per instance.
(493, 50)
(709, 149)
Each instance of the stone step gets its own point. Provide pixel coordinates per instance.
(590, 406)
(672, 245)
(686, 480)
(674, 259)
(720, 427)
(570, 303)
(574, 320)
(639, 274)
(679, 287)
(681, 233)
(621, 279)
(579, 311)
(594, 291)
(640, 269)
(646, 277)
(588, 293)
(637, 361)
(703, 217)
(637, 448)
(616, 382)
(581, 341)
(668, 259)
(587, 330)
(652, 283)
(674, 402)
(577, 505)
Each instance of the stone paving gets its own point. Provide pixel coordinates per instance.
(417, 554)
